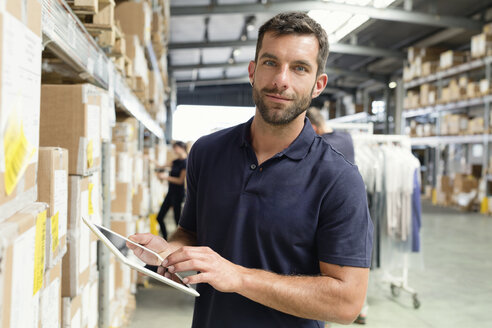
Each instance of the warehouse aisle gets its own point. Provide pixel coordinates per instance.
(454, 288)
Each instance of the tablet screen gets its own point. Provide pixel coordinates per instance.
(119, 242)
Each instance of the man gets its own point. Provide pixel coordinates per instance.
(275, 222)
(340, 140)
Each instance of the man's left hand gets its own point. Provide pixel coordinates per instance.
(220, 273)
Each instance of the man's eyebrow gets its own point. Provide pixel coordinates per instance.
(297, 62)
(268, 55)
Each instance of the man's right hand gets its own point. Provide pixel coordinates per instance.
(152, 242)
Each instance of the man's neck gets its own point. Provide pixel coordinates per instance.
(268, 140)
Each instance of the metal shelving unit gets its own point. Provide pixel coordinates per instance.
(435, 144)
(67, 38)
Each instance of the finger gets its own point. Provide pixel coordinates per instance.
(190, 265)
(161, 270)
(141, 238)
(184, 254)
(197, 278)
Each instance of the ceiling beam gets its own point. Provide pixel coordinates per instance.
(389, 14)
(328, 70)
(341, 48)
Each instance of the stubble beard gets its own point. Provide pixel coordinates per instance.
(275, 115)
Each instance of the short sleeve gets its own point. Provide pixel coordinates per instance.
(188, 218)
(345, 228)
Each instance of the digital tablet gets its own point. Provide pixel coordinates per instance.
(117, 245)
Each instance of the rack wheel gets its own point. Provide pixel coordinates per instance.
(395, 290)
(416, 302)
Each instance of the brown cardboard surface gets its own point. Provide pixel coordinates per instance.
(32, 8)
(64, 121)
(135, 18)
(53, 159)
(123, 201)
(72, 279)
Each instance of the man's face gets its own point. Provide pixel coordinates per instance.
(284, 78)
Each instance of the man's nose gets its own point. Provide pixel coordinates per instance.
(281, 79)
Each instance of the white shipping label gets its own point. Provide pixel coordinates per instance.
(86, 305)
(84, 205)
(76, 320)
(23, 282)
(93, 314)
(93, 252)
(126, 275)
(84, 248)
(50, 305)
(21, 83)
(61, 199)
(94, 128)
(96, 193)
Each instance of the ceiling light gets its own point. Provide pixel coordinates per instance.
(230, 61)
(392, 85)
(236, 52)
(244, 37)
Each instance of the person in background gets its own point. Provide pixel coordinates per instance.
(275, 224)
(339, 140)
(176, 180)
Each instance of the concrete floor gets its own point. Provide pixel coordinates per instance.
(454, 285)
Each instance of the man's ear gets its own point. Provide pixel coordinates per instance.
(251, 72)
(320, 85)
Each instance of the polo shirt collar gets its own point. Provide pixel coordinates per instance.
(297, 150)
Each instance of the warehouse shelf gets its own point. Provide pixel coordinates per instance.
(67, 38)
(445, 140)
(463, 68)
(447, 107)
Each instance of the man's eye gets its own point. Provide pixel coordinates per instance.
(300, 68)
(269, 63)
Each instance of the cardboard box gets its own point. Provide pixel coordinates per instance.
(141, 200)
(53, 190)
(105, 14)
(429, 68)
(22, 266)
(476, 125)
(425, 90)
(51, 300)
(20, 64)
(76, 262)
(112, 181)
(70, 118)
(451, 58)
(484, 87)
(481, 45)
(472, 90)
(123, 201)
(135, 19)
(136, 53)
(464, 183)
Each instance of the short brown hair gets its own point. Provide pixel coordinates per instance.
(296, 23)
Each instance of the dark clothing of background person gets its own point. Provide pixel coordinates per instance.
(341, 141)
(174, 197)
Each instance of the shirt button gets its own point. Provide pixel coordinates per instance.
(252, 166)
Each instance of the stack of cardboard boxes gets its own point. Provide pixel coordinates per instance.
(31, 240)
(71, 118)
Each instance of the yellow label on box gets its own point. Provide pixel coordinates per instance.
(91, 207)
(54, 231)
(18, 152)
(90, 152)
(153, 224)
(39, 249)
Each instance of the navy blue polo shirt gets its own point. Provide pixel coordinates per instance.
(304, 205)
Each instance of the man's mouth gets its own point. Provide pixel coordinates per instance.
(278, 98)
